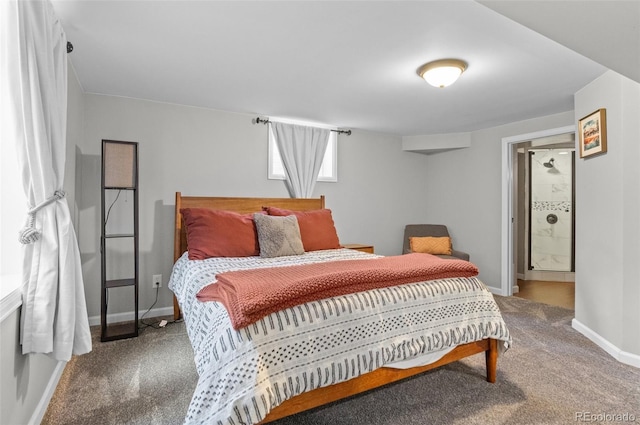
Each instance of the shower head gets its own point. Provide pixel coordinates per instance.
(549, 164)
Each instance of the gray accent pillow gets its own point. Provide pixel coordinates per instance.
(278, 236)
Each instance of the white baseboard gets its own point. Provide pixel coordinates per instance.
(549, 275)
(41, 408)
(129, 315)
(621, 356)
(496, 291)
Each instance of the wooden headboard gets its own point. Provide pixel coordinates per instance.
(239, 205)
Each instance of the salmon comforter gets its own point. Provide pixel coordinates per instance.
(249, 295)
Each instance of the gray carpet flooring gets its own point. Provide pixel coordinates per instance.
(551, 375)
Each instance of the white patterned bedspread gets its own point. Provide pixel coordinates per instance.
(244, 374)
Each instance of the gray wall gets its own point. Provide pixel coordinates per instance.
(25, 378)
(206, 152)
(607, 227)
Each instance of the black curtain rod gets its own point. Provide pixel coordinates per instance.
(266, 121)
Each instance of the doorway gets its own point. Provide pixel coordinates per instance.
(511, 223)
(545, 210)
(545, 261)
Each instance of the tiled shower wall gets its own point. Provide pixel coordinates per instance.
(551, 195)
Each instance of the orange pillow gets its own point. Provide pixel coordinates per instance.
(217, 233)
(316, 227)
(431, 245)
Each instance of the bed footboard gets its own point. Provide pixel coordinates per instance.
(380, 377)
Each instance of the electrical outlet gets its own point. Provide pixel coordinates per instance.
(157, 281)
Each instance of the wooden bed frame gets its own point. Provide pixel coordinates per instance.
(321, 396)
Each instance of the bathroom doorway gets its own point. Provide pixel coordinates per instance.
(545, 242)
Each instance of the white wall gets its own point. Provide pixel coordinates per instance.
(213, 153)
(631, 219)
(607, 227)
(466, 192)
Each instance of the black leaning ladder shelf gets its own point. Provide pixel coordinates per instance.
(119, 237)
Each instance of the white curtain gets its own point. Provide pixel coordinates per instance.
(302, 151)
(54, 314)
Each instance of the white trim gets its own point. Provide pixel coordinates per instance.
(507, 275)
(10, 295)
(41, 408)
(621, 356)
(554, 276)
(506, 251)
(129, 315)
(496, 291)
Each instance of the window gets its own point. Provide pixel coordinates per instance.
(13, 210)
(328, 170)
(13, 205)
(13, 213)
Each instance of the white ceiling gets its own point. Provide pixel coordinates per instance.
(606, 31)
(351, 64)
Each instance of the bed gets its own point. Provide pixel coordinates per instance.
(255, 374)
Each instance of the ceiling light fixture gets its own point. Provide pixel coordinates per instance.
(443, 72)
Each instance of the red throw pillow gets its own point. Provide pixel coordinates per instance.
(316, 227)
(217, 233)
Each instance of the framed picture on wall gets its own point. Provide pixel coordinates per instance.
(592, 130)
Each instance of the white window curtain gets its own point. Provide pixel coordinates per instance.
(302, 150)
(54, 314)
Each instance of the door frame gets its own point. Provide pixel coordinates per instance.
(507, 280)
